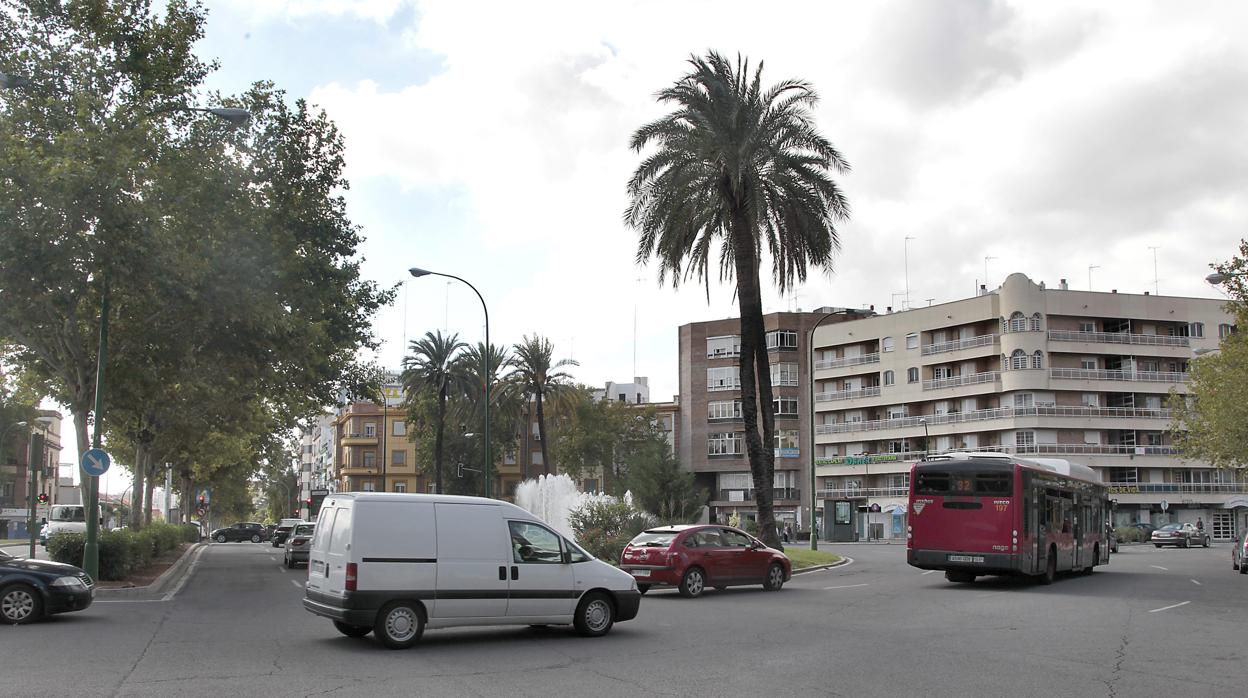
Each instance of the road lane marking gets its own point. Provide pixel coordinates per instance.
(296, 583)
(847, 586)
(1160, 567)
(1196, 582)
(1167, 608)
(282, 568)
(930, 571)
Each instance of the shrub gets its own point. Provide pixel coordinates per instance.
(604, 525)
(67, 547)
(1129, 534)
(121, 552)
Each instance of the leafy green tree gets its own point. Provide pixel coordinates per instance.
(430, 368)
(601, 437)
(538, 376)
(661, 486)
(737, 166)
(506, 401)
(1211, 422)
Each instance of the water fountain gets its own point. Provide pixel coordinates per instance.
(552, 497)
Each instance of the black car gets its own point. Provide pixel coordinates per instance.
(33, 589)
(283, 530)
(242, 531)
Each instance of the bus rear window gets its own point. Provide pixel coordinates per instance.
(964, 484)
(992, 483)
(931, 483)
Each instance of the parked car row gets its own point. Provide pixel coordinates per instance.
(1180, 535)
(1239, 554)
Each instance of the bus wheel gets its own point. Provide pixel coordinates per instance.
(959, 576)
(1050, 568)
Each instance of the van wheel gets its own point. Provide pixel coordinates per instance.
(399, 624)
(221, 538)
(1050, 568)
(775, 577)
(352, 630)
(20, 604)
(693, 583)
(595, 615)
(643, 588)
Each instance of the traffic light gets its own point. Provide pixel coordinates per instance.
(202, 501)
(44, 498)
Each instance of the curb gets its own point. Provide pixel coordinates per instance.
(817, 568)
(168, 578)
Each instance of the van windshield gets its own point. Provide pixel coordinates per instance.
(67, 513)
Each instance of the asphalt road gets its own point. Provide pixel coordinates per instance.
(1153, 623)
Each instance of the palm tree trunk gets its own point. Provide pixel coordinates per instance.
(756, 400)
(541, 433)
(437, 443)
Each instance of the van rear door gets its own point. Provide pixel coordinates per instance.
(321, 560)
(473, 561)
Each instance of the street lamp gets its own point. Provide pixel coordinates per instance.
(44, 423)
(485, 357)
(1218, 277)
(810, 349)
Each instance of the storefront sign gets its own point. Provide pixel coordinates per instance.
(858, 460)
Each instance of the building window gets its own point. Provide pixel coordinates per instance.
(1087, 363)
(1196, 329)
(398, 458)
(912, 341)
(888, 378)
(725, 444)
(1225, 330)
(370, 459)
(1035, 322)
(721, 347)
(786, 441)
(912, 375)
(723, 378)
(899, 482)
(1018, 360)
(784, 406)
(1087, 326)
(1091, 400)
(723, 409)
(784, 374)
(886, 344)
(1037, 360)
(1018, 322)
(400, 486)
(1025, 439)
(782, 339)
(942, 372)
(370, 429)
(509, 458)
(400, 428)
(1126, 476)
(1023, 400)
(367, 486)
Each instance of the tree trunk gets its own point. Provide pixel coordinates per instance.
(136, 491)
(757, 411)
(437, 441)
(185, 511)
(541, 434)
(147, 499)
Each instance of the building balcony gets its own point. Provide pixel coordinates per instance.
(861, 492)
(1152, 340)
(985, 340)
(724, 354)
(723, 386)
(847, 394)
(747, 495)
(1177, 487)
(1110, 375)
(359, 440)
(993, 414)
(873, 358)
(968, 379)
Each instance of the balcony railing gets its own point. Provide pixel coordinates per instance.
(959, 344)
(728, 385)
(724, 354)
(861, 492)
(872, 358)
(991, 414)
(1118, 338)
(847, 394)
(1032, 449)
(747, 495)
(969, 379)
(1179, 487)
(1113, 375)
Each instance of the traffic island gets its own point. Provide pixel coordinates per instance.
(160, 576)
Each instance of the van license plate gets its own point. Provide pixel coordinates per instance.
(966, 558)
(641, 573)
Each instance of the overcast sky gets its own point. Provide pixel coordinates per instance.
(489, 140)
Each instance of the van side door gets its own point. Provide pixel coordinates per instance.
(472, 577)
(542, 584)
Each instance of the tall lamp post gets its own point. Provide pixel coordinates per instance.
(42, 422)
(485, 357)
(810, 348)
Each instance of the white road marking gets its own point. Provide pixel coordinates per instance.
(930, 571)
(1160, 567)
(1196, 582)
(1167, 608)
(297, 584)
(847, 586)
(282, 568)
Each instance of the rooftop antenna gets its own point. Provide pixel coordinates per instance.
(636, 285)
(403, 348)
(986, 259)
(1156, 287)
(446, 318)
(1090, 268)
(906, 244)
(929, 301)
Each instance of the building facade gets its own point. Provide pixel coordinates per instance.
(15, 470)
(1028, 370)
(372, 451)
(709, 432)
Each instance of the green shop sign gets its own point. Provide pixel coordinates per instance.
(858, 460)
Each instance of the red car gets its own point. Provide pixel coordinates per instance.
(692, 558)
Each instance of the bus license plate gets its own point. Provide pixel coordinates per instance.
(966, 558)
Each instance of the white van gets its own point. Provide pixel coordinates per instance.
(394, 564)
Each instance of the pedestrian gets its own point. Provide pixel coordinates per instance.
(788, 532)
(1200, 524)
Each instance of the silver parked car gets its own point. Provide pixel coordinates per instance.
(298, 543)
(1180, 535)
(1239, 551)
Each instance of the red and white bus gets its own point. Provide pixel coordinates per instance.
(974, 514)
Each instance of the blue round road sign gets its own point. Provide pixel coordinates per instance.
(95, 462)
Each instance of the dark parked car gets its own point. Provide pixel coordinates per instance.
(692, 558)
(33, 589)
(283, 529)
(1145, 528)
(1180, 535)
(298, 544)
(1239, 553)
(242, 531)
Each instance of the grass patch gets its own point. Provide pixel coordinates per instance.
(805, 557)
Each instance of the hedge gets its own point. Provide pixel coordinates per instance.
(124, 551)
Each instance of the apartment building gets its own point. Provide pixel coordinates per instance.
(371, 445)
(710, 435)
(1024, 369)
(15, 469)
(316, 458)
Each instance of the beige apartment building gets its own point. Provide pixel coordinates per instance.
(710, 436)
(1024, 369)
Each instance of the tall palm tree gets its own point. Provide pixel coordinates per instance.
(736, 165)
(504, 401)
(430, 368)
(538, 375)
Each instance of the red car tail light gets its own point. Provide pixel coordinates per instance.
(351, 577)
